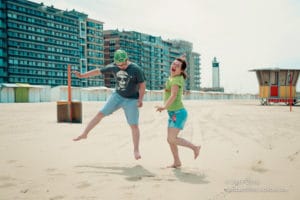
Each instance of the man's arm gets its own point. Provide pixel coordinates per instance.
(94, 72)
(142, 89)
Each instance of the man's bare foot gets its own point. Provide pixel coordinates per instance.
(137, 155)
(175, 165)
(196, 151)
(80, 137)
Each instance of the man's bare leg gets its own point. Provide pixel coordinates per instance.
(90, 126)
(136, 140)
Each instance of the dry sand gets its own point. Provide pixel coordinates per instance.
(248, 151)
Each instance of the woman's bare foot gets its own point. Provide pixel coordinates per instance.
(80, 137)
(196, 151)
(175, 165)
(137, 155)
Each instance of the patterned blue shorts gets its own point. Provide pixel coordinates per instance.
(177, 118)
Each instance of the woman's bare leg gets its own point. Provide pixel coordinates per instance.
(174, 141)
(172, 135)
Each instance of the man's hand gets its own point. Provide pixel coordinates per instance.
(140, 103)
(78, 74)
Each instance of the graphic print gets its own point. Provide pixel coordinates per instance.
(122, 80)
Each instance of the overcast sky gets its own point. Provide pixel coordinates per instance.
(242, 34)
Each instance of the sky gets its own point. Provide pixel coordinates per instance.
(241, 34)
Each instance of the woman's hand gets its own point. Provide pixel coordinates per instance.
(160, 108)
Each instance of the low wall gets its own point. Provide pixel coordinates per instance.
(60, 93)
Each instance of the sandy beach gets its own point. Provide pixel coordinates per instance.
(248, 152)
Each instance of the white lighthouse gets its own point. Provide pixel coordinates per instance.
(215, 73)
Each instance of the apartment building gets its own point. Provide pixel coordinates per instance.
(154, 55)
(38, 42)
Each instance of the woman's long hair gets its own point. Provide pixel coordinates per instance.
(183, 66)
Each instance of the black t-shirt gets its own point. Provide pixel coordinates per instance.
(127, 81)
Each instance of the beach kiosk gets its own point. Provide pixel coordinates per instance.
(277, 85)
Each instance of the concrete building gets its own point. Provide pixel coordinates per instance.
(195, 72)
(154, 55)
(38, 42)
(181, 47)
(145, 50)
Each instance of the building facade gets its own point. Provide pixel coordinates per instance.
(181, 47)
(39, 42)
(3, 44)
(154, 55)
(195, 72)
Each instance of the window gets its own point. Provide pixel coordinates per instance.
(274, 78)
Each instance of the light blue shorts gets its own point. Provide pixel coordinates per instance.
(116, 101)
(177, 118)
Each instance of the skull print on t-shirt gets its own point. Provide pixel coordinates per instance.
(128, 80)
(122, 78)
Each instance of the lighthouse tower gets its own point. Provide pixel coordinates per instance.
(215, 73)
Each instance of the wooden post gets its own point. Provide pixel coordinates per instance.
(68, 111)
(70, 92)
